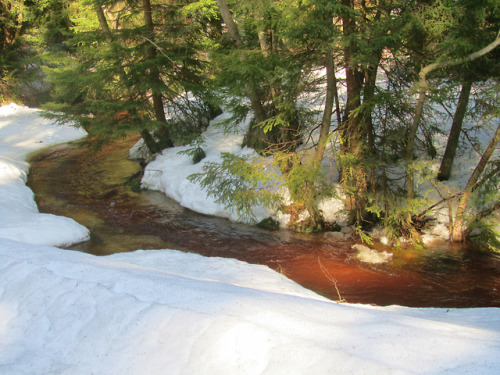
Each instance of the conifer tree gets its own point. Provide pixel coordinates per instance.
(270, 80)
(117, 79)
(442, 61)
(11, 17)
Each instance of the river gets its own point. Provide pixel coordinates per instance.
(91, 188)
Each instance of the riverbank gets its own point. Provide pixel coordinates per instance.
(90, 188)
(158, 312)
(168, 173)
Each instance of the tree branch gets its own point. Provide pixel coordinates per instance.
(473, 56)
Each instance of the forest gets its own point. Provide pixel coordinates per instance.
(363, 85)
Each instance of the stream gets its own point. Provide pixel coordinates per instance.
(90, 187)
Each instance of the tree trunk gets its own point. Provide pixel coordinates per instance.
(255, 102)
(456, 129)
(103, 22)
(154, 75)
(328, 110)
(410, 142)
(309, 202)
(368, 96)
(421, 99)
(353, 129)
(149, 141)
(458, 227)
(231, 26)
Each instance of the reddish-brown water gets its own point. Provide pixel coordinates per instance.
(90, 188)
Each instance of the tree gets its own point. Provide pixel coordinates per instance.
(455, 131)
(156, 83)
(272, 93)
(459, 224)
(475, 23)
(117, 80)
(10, 31)
(422, 90)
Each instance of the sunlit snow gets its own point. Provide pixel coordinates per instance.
(167, 312)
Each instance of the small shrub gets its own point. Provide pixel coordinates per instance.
(269, 224)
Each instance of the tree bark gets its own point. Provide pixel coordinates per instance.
(353, 130)
(255, 102)
(231, 26)
(369, 94)
(328, 110)
(149, 141)
(455, 131)
(103, 22)
(410, 142)
(458, 227)
(159, 110)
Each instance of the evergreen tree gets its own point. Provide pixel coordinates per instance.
(116, 80)
(11, 19)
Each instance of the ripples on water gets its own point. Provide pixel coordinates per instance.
(90, 188)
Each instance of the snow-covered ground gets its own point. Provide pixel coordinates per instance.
(22, 131)
(169, 172)
(166, 312)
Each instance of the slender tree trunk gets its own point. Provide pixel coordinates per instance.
(410, 142)
(310, 204)
(103, 22)
(421, 100)
(456, 129)
(149, 141)
(458, 227)
(228, 20)
(159, 110)
(264, 43)
(255, 102)
(328, 110)
(369, 94)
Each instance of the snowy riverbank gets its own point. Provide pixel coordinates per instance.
(166, 312)
(169, 172)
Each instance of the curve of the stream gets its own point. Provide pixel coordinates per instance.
(91, 188)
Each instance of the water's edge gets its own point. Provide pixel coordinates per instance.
(91, 188)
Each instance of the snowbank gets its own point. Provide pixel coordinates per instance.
(167, 312)
(23, 130)
(169, 173)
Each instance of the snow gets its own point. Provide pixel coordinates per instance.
(22, 131)
(169, 173)
(167, 312)
(365, 254)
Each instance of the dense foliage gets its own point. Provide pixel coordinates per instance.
(349, 82)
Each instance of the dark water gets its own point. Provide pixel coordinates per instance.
(90, 188)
